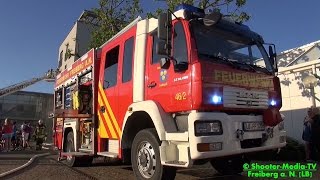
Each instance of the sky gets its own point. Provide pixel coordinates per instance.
(32, 31)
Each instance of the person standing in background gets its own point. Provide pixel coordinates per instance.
(315, 134)
(14, 135)
(7, 131)
(30, 131)
(1, 143)
(25, 135)
(40, 134)
(306, 134)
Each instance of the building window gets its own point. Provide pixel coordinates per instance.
(127, 60)
(61, 56)
(60, 59)
(65, 66)
(111, 68)
(67, 52)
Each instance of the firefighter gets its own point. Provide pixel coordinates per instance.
(40, 134)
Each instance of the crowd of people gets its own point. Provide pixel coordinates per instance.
(14, 138)
(311, 134)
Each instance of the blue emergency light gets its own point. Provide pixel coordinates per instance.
(191, 9)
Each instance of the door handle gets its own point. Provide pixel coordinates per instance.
(103, 109)
(152, 84)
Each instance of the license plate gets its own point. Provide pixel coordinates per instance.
(253, 126)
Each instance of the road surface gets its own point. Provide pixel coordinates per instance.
(47, 168)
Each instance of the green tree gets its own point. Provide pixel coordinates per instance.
(113, 15)
(231, 7)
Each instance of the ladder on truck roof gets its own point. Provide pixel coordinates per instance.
(49, 77)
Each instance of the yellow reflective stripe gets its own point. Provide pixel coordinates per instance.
(102, 129)
(108, 107)
(108, 121)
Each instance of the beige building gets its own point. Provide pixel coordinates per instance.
(77, 41)
(294, 65)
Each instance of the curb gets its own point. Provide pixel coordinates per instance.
(23, 166)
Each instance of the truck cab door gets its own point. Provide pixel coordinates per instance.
(168, 87)
(108, 95)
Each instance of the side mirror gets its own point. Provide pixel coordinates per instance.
(164, 26)
(271, 54)
(164, 33)
(164, 63)
(180, 67)
(273, 58)
(162, 48)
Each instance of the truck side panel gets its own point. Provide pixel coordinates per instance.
(115, 89)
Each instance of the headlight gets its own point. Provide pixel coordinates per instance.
(213, 96)
(207, 128)
(274, 99)
(216, 99)
(281, 125)
(272, 102)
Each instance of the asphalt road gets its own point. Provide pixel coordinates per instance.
(47, 168)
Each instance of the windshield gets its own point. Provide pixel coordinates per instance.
(214, 44)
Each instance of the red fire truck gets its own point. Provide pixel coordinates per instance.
(183, 89)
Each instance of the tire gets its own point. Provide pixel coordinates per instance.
(145, 147)
(74, 161)
(229, 165)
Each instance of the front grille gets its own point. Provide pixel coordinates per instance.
(251, 143)
(242, 98)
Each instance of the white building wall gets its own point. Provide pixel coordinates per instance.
(295, 101)
(70, 39)
(295, 97)
(78, 40)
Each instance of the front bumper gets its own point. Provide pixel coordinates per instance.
(231, 144)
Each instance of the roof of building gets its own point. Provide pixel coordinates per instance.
(89, 17)
(299, 54)
(303, 47)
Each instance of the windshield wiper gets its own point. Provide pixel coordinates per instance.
(250, 65)
(261, 68)
(256, 68)
(234, 63)
(219, 58)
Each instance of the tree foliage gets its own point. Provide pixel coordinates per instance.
(231, 7)
(113, 15)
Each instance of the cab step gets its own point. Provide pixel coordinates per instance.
(85, 150)
(108, 154)
(74, 154)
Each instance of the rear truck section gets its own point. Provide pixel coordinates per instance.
(172, 92)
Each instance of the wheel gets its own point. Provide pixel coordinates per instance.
(74, 161)
(145, 157)
(229, 165)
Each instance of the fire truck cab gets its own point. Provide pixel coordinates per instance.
(171, 92)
